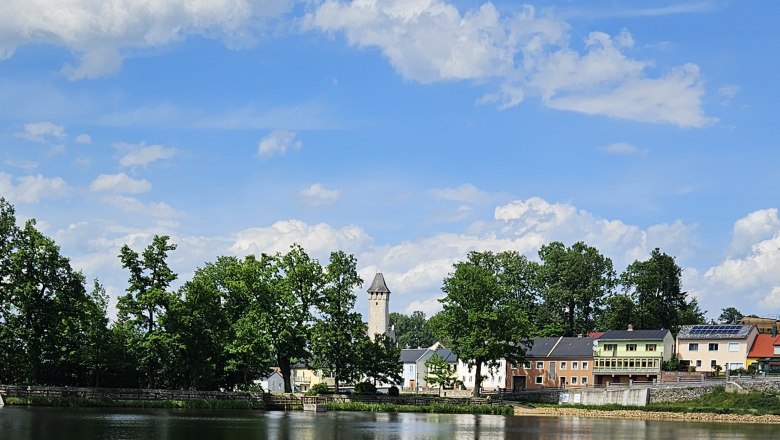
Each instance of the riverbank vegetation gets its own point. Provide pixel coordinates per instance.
(110, 403)
(434, 407)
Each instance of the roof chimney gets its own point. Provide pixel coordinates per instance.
(630, 327)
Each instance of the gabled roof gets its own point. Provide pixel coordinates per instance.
(764, 346)
(540, 347)
(378, 286)
(446, 354)
(412, 355)
(731, 331)
(633, 335)
(573, 347)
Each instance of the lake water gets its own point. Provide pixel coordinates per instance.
(136, 424)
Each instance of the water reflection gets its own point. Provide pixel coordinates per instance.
(135, 424)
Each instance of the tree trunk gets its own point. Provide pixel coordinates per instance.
(478, 378)
(286, 370)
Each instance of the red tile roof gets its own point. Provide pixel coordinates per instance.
(763, 346)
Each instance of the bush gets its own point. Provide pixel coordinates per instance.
(365, 388)
(320, 388)
(393, 391)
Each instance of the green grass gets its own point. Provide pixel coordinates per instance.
(440, 408)
(83, 402)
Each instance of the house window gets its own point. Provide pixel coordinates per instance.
(411, 369)
(574, 380)
(650, 347)
(584, 365)
(693, 346)
(563, 365)
(630, 347)
(713, 363)
(538, 380)
(698, 363)
(610, 347)
(584, 380)
(471, 379)
(540, 365)
(714, 346)
(527, 365)
(733, 346)
(575, 365)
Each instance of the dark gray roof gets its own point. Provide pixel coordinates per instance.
(540, 347)
(631, 335)
(731, 331)
(378, 286)
(410, 355)
(573, 347)
(447, 354)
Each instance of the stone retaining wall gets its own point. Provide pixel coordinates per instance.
(679, 394)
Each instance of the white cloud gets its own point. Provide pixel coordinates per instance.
(21, 164)
(31, 189)
(119, 183)
(277, 143)
(42, 132)
(83, 139)
(317, 239)
(101, 34)
(132, 205)
(142, 154)
(624, 148)
(317, 195)
(754, 228)
(522, 53)
(462, 193)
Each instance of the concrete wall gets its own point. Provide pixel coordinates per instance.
(625, 397)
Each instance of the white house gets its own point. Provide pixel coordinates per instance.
(272, 384)
(415, 371)
(494, 378)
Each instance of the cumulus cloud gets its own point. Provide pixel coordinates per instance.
(83, 139)
(317, 239)
(42, 132)
(101, 35)
(518, 53)
(624, 149)
(317, 195)
(142, 154)
(119, 183)
(754, 228)
(21, 164)
(277, 143)
(31, 189)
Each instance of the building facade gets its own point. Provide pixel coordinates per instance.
(562, 362)
(378, 306)
(715, 348)
(622, 356)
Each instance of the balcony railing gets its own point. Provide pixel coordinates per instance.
(632, 364)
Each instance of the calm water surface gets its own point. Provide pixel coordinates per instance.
(136, 424)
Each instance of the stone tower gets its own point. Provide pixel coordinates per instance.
(378, 301)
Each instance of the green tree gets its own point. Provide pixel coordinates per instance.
(481, 318)
(381, 360)
(441, 373)
(574, 282)
(146, 299)
(654, 285)
(412, 331)
(730, 315)
(618, 313)
(297, 283)
(337, 335)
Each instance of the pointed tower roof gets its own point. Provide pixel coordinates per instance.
(378, 286)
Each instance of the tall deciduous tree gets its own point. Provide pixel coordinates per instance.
(482, 318)
(381, 359)
(412, 331)
(730, 315)
(147, 298)
(654, 285)
(574, 282)
(337, 335)
(441, 373)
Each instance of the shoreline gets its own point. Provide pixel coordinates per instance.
(647, 415)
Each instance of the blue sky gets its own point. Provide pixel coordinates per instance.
(407, 132)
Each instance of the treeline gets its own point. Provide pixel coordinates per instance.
(236, 318)
(224, 328)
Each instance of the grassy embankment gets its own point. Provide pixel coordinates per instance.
(83, 402)
(441, 408)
